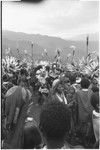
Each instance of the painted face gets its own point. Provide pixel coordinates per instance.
(66, 86)
(60, 88)
(95, 81)
(72, 90)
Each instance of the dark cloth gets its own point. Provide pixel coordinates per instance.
(32, 135)
(15, 134)
(84, 107)
(12, 101)
(84, 127)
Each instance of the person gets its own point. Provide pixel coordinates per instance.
(32, 136)
(58, 92)
(72, 79)
(84, 112)
(95, 88)
(95, 114)
(69, 92)
(83, 100)
(54, 124)
(16, 105)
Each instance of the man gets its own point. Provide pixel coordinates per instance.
(16, 105)
(55, 124)
(83, 100)
(84, 112)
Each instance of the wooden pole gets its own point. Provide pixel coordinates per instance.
(32, 52)
(87, 44)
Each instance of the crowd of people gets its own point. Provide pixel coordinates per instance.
(67, 95)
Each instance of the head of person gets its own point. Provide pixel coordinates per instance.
(95, 88)
(48, 68)
(22, 81)
(14, 78)
(59, 88)
(23, 72)
(85, 83)
(56, 86)
(72, 78)
(5, 78)
(95, 101)
(72, 90)
(54, 123)
(32, 136)
(66, 83)
(94, 81)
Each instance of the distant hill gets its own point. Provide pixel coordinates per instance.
(23, 41)
(82, 37)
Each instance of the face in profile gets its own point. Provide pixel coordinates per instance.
(72, 90)
(60, 88)
(94, 81)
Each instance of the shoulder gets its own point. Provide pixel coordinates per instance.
(78, 92)
(11, 91)
(29, 94)
(24, 93)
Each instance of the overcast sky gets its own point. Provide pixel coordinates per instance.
(63, 18)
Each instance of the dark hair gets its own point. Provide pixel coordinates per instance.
(72, 78)
(95, 88)
(95, 100)
(47, 68)
(94, 81)
(85, 83)
(54, 120)
(5, 77)
(22, 79)
(23, 71)
(32, 136)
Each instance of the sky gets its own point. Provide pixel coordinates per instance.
(60, 18)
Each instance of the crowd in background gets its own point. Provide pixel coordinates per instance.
(69, 100)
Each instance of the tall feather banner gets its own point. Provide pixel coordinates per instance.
(87, 44)
(87, 39)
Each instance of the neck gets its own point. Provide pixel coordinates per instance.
(55, 144)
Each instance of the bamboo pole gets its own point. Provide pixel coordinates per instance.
(32, 53)
(87, 45)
